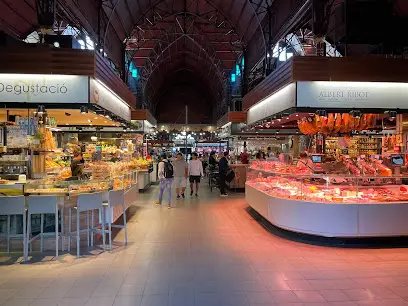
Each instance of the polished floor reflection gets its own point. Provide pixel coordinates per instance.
(209, 252)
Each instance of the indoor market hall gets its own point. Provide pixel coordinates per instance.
(208, 250)
(203, 153)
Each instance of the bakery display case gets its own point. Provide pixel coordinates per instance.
(334, 205)
(67, 188)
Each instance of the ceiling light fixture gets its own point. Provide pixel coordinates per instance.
(391, 114)
(321, 113)
(41, 109)
(355, 113)
(84, 110)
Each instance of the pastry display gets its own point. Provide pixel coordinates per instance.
(48, 190)
(48, 142)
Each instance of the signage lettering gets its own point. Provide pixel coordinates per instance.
(359, 95)
(33, 89)
(37, 88)
(340, 94)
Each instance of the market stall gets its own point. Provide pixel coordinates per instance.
(331, 204)
(62, 119)
(353, 182)
(146, 125)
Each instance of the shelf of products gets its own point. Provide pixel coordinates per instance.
(335, 205)
(352, 146)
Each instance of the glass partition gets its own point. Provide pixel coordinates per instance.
(329, 188)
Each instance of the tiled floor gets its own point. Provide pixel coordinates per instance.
(210, 252)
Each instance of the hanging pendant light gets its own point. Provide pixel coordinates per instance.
(41, 109)
(84, 110)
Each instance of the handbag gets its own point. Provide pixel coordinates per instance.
(229, 177)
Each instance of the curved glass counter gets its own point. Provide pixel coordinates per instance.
(332, 205)
(330, 188)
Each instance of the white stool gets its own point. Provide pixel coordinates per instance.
(10, 206)
(111, 200)
(86, 202)
(44, 205)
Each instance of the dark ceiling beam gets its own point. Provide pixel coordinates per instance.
(253, 16)
(17, 13)
(242, 11)
(113, 12)
(139, 6)
(132, 18)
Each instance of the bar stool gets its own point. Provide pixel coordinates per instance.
(41, 205)
(112, 200)
(9, 206)
(86, 202)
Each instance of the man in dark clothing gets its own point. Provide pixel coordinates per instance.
(223, 168)
(212, 161)
(77, 165)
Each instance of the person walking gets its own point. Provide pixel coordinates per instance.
(195, 171)
(223, 169)
(180, 175)
(165, 175)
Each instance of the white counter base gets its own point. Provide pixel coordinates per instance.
(331, 220)
(143, 180)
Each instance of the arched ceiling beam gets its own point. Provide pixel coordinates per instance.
(166, 62)
(153, 7)
(185, 36)
(194, 80)
(146, 35)
(191, 62)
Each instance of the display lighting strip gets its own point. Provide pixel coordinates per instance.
(112, 93)
(279, 101)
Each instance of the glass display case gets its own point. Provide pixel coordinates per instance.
(67, 188)
(330, 188)
(331, 205)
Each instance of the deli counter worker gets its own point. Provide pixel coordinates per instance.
(77, 166)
